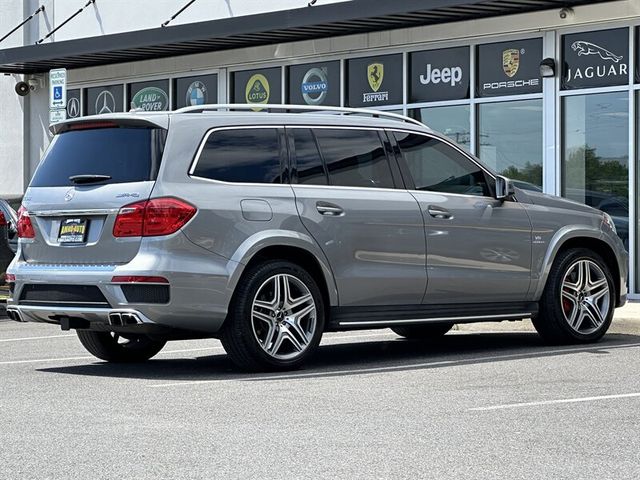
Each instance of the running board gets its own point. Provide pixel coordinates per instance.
(345, 318)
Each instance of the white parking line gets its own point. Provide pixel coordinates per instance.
(165, 352)
(46, 360)
(554, 402)
(35, 338)
(404, 366)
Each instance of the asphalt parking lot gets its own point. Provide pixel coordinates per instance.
(477, 404)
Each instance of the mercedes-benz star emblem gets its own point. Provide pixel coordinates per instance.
(105, 103)
(73, 107)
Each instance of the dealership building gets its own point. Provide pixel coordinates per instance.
(546, 92)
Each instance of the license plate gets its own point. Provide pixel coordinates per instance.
(73, 230)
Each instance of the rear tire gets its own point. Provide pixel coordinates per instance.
(578, 300)
(276, 318)
(423, 332)
(115, 348)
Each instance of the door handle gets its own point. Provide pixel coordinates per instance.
(439, 212)
(329, 209)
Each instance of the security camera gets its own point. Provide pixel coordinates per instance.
(566, 12)
(23, 89)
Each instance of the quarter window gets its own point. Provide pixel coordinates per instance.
(242, 155)
(355, 158)
(438, 167)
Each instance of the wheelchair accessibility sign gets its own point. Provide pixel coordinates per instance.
(58, 88)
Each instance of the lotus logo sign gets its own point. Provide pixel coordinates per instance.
(151, 99)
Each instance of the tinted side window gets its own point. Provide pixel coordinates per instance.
(249, 155)
(438, 167)
(354, 158)
(124, 154)
(308, 161)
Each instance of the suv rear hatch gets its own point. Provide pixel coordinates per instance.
(90, 170)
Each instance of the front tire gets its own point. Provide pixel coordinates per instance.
(276, 318)
(578, 300)
(119, 349)
(423, 332)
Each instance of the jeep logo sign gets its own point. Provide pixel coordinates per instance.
(437, 75)
(451, 75)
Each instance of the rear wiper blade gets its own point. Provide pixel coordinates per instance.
(89, 178)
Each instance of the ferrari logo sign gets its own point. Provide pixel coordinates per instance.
(510, 61)
(375, 73)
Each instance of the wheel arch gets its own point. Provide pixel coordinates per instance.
(590, 239)
(292, 246)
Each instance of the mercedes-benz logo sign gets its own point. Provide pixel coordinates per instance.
(73, 107)
(105, 103)
(69, 195)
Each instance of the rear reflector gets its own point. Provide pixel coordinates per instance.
(138, 279)
(25, 228)
(150, 218)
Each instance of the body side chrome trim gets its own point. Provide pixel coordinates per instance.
(523, 315)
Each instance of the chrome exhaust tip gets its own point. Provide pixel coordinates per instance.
(123, 319)
(14, 314)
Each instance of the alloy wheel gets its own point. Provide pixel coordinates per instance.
(585, 296)
(283, 316)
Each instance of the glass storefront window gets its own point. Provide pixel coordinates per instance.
(452, 121)
(510, 139)
(595, 154)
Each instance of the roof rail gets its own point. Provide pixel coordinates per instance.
(302, 108)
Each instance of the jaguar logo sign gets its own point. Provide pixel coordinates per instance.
(595, 59)
(588, 48)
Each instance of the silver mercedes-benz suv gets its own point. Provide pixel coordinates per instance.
(267, 229)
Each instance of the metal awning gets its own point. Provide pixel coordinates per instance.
(345, 18)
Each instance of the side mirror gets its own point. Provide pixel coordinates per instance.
(504, 188)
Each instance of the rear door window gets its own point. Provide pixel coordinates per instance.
(309, 164)
(246, 155)
(354, 158)
(125, 154)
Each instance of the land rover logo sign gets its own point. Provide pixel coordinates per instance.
(438, 75)
(196, 94)
(151, 99)
(595, 59)
(315, 86)
(509, 68)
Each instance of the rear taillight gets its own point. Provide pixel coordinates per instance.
(3, 220)
(9, 278)
(25, 228)
(150, 218)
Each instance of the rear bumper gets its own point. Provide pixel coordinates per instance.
(198, 285)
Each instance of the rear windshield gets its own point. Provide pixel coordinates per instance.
(124, 154)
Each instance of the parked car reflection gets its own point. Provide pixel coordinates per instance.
(614, 205)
